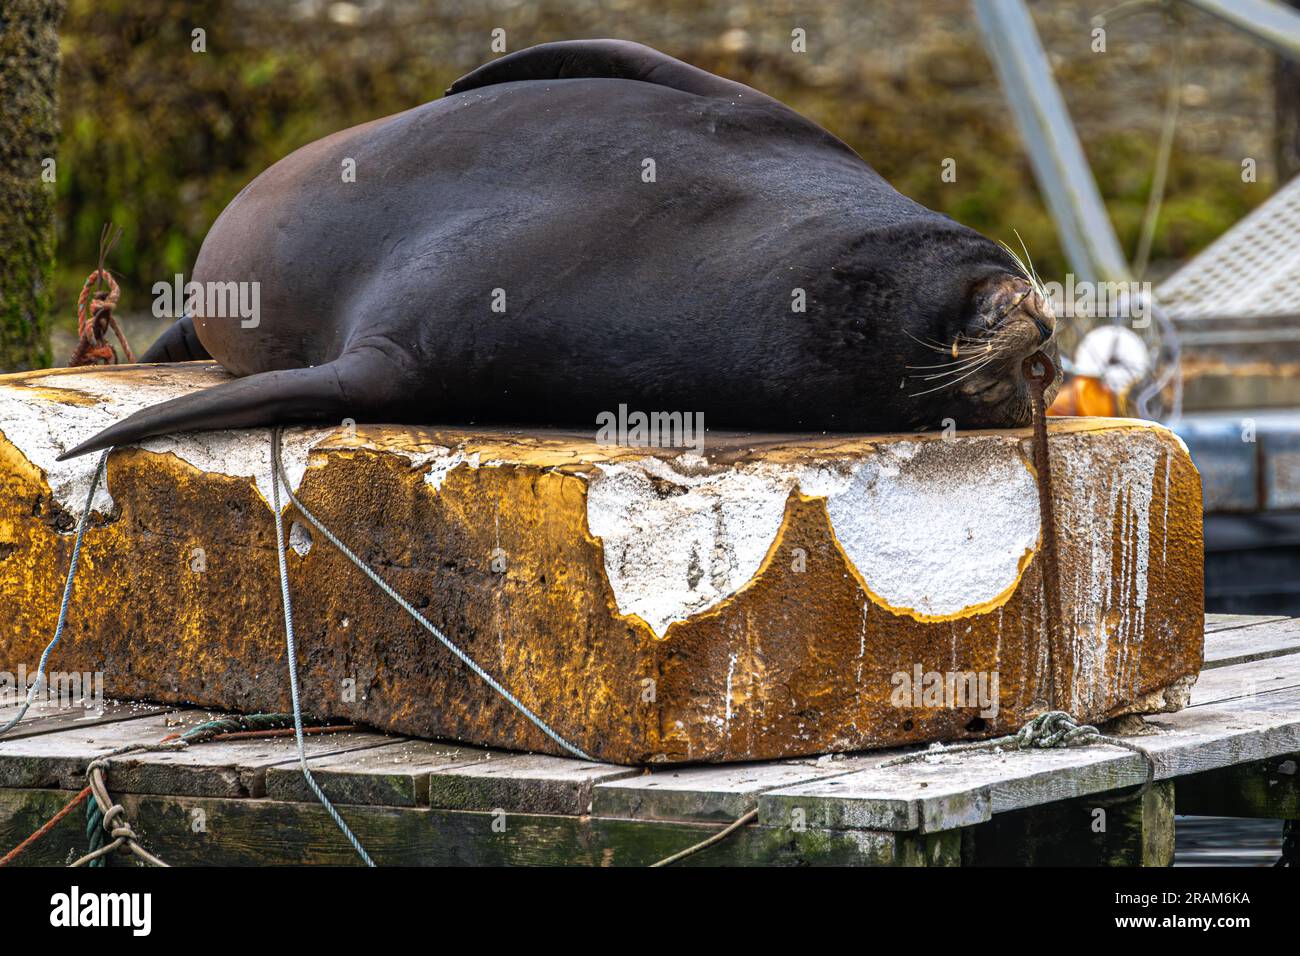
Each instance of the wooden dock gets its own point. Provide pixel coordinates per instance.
(1232, 752)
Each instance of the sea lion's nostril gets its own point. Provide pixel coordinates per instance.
(1044, 329)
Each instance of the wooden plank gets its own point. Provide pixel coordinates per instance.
(49, 720)
(1270, 638)
(947, 792)
(527, 783)
(959, 790)
(395, 774)
(1224, 735)
(723, 792)
(224, 768)
(1251, 679)
(206, 831)
(1215, 623)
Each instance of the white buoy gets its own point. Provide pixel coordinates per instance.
(1115, 355)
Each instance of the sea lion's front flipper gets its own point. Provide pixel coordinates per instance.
(610, 59)
(179, 343)
(267, 398)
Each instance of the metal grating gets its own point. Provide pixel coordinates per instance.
(1252, 270)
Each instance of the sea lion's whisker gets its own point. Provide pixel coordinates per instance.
(953, 382)
(973, 355)
(947, 348)
(952, 366)
(1028, 271)
(960, 367)
(973, 366)
(943, 349)
(1035, 280)
(970, 346)
(1020, 263)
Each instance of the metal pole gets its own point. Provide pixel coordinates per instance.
(1064, 177)
(1275, 24)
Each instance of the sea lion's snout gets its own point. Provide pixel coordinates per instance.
(1039, 311)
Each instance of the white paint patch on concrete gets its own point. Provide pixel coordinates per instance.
(441, 460)
(933, 527)
(300, 540)
(1106, 486)
(244, 453)
(42, 431)
(680, 541)
(937, 527)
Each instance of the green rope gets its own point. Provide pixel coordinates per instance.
(195, 735)
(244, 723)
(95, 832)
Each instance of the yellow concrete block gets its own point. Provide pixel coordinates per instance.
(778, 596)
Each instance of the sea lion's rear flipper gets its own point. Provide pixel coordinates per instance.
(179, 343)
(267, 398)
(609, 59)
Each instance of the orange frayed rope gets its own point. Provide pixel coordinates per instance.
(95, 311)
(72, 804)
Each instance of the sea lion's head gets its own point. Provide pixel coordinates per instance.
(980, 368)
(947, 317)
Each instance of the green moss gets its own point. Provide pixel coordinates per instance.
(29, 59)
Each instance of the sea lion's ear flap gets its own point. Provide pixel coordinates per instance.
(609, 59)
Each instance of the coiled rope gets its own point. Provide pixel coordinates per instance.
(95, 311)
(102, 815)
(111, 820)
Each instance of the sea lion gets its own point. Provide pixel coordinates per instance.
(588, 224)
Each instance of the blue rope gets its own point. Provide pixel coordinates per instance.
(67, 598)
(278, 470)
(281, 545)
